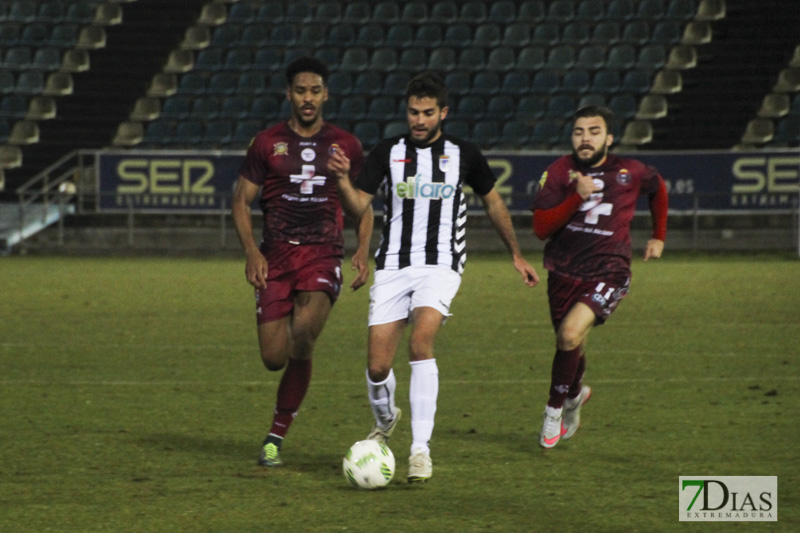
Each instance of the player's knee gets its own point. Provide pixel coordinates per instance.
(272, 364)
(378, 372)
(569, 339)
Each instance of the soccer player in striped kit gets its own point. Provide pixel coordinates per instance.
(584, 209)
(421, 254)
(296, 270)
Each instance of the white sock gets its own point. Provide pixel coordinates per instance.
(381, 399)
(423, 392)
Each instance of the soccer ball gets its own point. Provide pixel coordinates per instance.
(368, 464)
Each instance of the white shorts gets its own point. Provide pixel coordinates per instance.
(396, 293)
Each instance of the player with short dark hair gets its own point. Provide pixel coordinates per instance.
(421, 255)
(584, 209)
(296, 271)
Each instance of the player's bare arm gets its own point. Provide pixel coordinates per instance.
(355, 201)
(256, 266)
(360, 261)
(501, 220)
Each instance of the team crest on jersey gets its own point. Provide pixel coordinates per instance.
(333, 147)
(444, 163)
(280, 149)
(624, 177)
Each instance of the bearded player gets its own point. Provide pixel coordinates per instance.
(584, 209)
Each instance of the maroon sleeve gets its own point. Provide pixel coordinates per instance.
(548, 221)
(659, 207)
(254, 166)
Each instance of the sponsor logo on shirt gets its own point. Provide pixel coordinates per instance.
(308, 154)
(414, 188)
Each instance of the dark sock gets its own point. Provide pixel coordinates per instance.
(291, 391)
(575, 388)
(565, 366)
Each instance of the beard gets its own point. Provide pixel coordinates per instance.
(433, 132)
(306, 122)
(592, 160)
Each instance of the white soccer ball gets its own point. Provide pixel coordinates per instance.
(368, 464)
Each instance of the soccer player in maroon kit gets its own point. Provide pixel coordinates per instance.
(296, 271)
(584, 209)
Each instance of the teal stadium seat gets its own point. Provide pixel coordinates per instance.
(383, 60)
(386, 12)
(399, 35)
(370, 35)
(606, 33)
(502, 12)
(621, 10)
(343, 35)
(576, 33)
(298, 12)
(517, 35)
(651, 10)
(501, 59)
(591, 57)
(415, 12)
(473, 12)
(487, 35)
(515, 134)
(205, 107)
(636, 32)
(442, 60)
(681, 10)
(531, 11)
(367, 83)
(241, 13)
(357, 12)
(22, 11)
(486, 133)
(329, 11)
(457, 36)
(590, 11)
(312, 34)
(429, 35)
(561, 11)
(254, 36)
(531, 59)
(235, 106)
(444, 12)
(515, 83)
(176, 107)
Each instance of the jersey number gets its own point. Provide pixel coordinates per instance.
(594, 207)
(307, 179)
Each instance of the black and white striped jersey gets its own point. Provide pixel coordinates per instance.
(425, 210)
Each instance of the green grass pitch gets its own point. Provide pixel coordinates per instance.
(133, 399)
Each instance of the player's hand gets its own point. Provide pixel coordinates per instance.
(255, 270)
(585, 184)
(339, 164)
(360, 264)
(653, 249)
(529, 275)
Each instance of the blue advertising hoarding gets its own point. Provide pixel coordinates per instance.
(198, 182)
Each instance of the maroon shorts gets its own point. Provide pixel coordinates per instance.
(602, 297)
(294, 268)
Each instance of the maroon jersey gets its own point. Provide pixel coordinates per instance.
(299, 198)
(596, 241)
